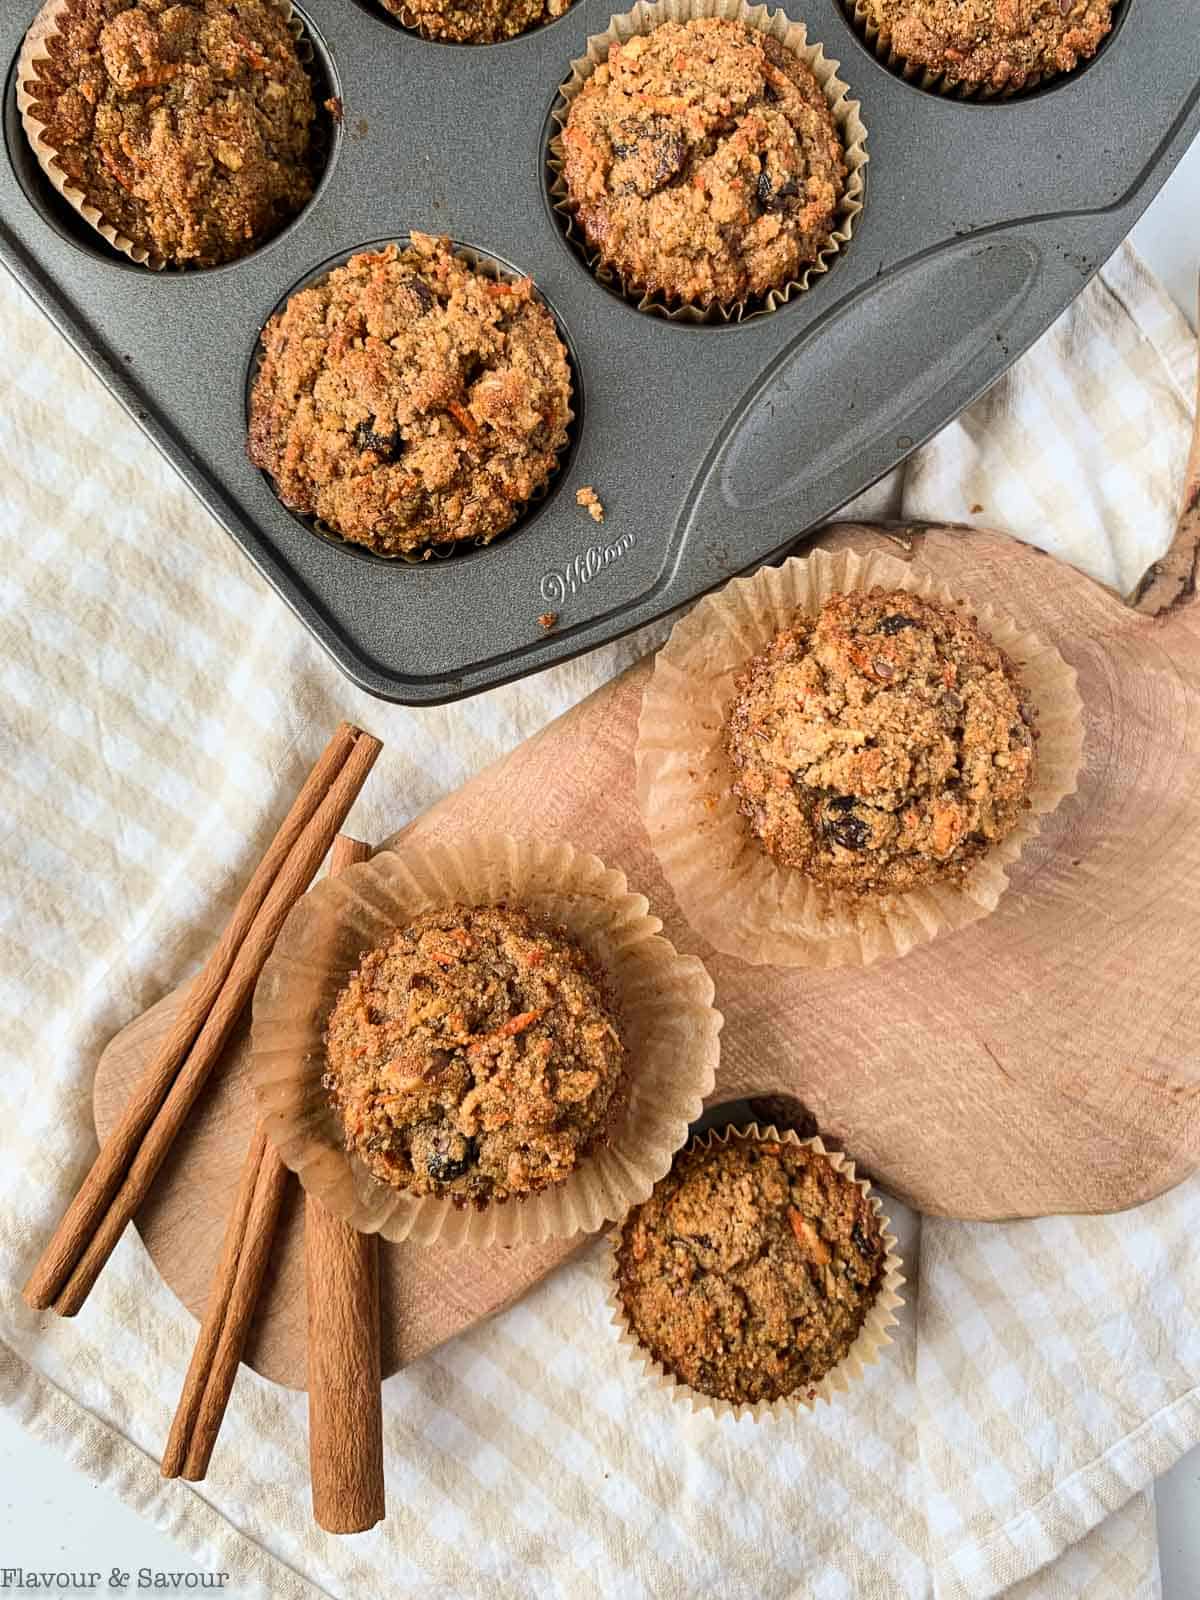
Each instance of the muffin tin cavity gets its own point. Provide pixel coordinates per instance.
(489, 265)
(405, 21)
(60, 215)
(916, 77)
(665, 152)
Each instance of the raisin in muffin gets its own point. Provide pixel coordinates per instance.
(751, 1269)
(475, 21)
(702, 163)
(188, 124)
(883, 744)
(408, 400)
(997, 45)
(476, 1055)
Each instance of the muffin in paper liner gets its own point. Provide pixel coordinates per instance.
(879, 42)
(407, 18)
(663, 1000)
(488, 267)
(643, 19)
(34, 47)
(730, 890)
(864, 1352)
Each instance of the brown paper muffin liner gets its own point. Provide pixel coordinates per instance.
(35, 48)
(729, 889)
(664, 1002)
(488, 267)
(879, 41)
(643, 19)
(863, 1353)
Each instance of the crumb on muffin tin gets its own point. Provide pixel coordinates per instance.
(750, 1270)
(476, 21)
(883, 744)
(188, 125)
(1001, 45)
(408, 400)
(475, 1055)
(702, 163)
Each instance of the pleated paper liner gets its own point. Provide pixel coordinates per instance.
(864, 1352)
(730, 890)
(643, 19)
(879, 41)
(665, 1013)
(35, 48)
(489, 267)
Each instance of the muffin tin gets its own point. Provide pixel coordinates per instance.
(712, 447)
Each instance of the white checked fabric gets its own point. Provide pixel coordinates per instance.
(158, 706)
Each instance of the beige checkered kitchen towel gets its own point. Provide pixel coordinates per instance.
(157, 708)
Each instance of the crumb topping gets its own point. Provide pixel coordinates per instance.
(476, 21)
(998, 43)
(186, 123)
(750, 1270)
(703, 163)
(885, 743)
(475, 1055)
(408, 400)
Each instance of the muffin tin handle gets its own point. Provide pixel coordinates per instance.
(852, 395)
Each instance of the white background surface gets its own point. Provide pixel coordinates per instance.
(52, 1517)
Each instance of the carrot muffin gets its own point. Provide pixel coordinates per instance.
(188, 124)
(407, 400)
(883, 744)
(750, 1271)
(476, 21)
(992, 44)
(702, 163)
(476, 1055)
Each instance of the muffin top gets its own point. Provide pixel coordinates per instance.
(751, 1268)
(476, 21)
(997, 44)
(186, 123)
(407, 400)
(475, 1055)
(883, 744)
(702, 162)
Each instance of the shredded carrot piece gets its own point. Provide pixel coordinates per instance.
(508, 1030)
(519, 1023)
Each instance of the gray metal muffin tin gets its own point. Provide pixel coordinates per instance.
(712, 447)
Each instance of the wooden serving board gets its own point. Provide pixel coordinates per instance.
(1042, 1060)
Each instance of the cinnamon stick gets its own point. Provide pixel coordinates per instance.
(249, 1236)
(345, 1413)
(127, 1164)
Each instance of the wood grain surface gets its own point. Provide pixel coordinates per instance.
(1043, 1060)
